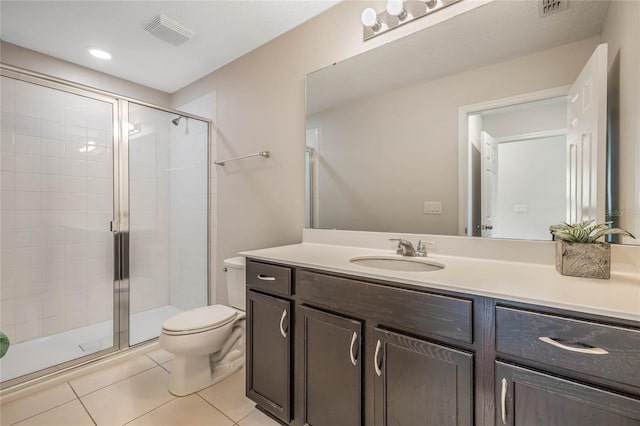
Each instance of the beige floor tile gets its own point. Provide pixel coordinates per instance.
(110, 375)
(160, 356)
(257, 418)
(229, 397)
(129, 398)
(185, 411)
(70, 414)
(41, 401)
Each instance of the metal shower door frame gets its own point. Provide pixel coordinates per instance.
(120, 223)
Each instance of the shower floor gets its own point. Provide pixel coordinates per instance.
(38, 354)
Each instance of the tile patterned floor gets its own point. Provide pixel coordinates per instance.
(134, 393)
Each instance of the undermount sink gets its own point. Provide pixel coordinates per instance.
(406, 264)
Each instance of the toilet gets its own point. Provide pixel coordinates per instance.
(208, 343)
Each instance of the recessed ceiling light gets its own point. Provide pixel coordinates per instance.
(100, 53)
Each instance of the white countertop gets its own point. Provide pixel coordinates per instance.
(617, 297)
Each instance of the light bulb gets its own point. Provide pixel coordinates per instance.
(369, 19)
(100, 53)
(396, 8)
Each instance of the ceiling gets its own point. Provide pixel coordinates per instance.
(225, 30)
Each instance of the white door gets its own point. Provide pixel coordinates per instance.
(586, 141)
(489, 183)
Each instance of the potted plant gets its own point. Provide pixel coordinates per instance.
(4, 344)
(579, 254)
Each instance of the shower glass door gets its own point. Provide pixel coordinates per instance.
(168, 217)
(57, 250)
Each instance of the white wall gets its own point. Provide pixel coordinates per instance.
(408, 140)
(622, 28)
(531, 173)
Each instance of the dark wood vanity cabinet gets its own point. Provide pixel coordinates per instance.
(269, 338)
(331, 378)
(327, 349)
(575, 371)
(528, 398)
(269, 354)
(421, 383)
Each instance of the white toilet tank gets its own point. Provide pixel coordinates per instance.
(236, 284)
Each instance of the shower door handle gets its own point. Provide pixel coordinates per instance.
(113, 226)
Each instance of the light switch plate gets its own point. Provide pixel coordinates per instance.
(521, 208)
(432, 207)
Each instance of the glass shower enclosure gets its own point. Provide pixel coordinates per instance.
(103, 220)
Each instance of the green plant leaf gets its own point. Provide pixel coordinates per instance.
(4, 344)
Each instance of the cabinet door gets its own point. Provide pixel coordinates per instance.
(332, 372)
(418, 383)
(528, 398)
(269, 354)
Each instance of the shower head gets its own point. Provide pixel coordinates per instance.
(176, 121)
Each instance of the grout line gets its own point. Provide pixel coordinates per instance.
(117, 381)
(216, 408)
(41, 412)
(175, 398)
(83, 406)
(159, 363)
(165, 368)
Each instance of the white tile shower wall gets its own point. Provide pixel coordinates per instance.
(206, 106)
(188, 180)
(149, 209)
(57, 191)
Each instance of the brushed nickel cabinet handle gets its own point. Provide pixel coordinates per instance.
(581, 350)
(284, 315)
(503, 401)
(265, 277)
(375, 359)
(353, 342)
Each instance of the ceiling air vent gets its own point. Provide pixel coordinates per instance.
(166, 29)
(549, 7)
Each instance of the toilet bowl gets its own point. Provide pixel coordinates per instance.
(208, 343)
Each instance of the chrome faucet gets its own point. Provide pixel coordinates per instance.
(405, 248)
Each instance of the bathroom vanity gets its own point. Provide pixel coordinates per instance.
(333, 343)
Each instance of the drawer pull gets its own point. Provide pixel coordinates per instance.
(376, 363)
(503, 401)
(353, 342)
(282, 331)
(265, 277)
(579, 349)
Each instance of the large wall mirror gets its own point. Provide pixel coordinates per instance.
(495, 123)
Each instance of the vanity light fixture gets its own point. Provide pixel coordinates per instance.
(100, 54)
(396, 8)
(369, 19)
(398, 12)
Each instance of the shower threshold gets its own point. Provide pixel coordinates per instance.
(44, 352)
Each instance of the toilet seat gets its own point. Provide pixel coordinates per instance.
(199, 320)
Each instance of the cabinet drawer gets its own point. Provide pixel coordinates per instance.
(599, 350)
(428, 313)
(270, 278)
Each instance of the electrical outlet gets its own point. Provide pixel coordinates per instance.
(432, 207)
(521, 208)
